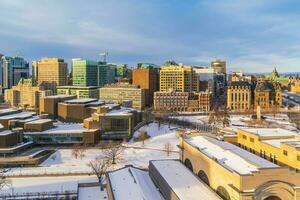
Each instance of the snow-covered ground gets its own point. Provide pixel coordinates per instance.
(135, 154)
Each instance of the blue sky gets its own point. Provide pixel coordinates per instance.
(252, 36)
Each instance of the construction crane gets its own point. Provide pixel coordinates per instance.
(104, 56)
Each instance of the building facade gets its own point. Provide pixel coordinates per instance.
(239, 96)
(12, 70)
(50, 73)
(91, 73)
(25, 94)
(79, 91)
(219, 66)
(268, 95)
(236, 174)
(148, 79)
(295, 85)
(123, 93)
(178, 78)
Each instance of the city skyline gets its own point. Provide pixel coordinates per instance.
(250, 36)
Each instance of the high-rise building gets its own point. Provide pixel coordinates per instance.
(91, 73)
(219, 66)
(206, 78)
(147, 77)
(12, 70)
(178, 78)
(239, 96)
(50, 73)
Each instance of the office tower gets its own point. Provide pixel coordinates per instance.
(219, 66)
(51, 72)
(13, 69)
(239, 96)
(147, 77)
(91, 73)
(178, 78)
(206, 77)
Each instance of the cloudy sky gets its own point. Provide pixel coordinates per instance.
(252, 36)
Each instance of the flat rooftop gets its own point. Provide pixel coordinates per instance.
(270, 132)
(183, 182)
(81, 101)
(8, 110)
(21, 115)
(40, 121)
(64, 128)
(132, 183)
(230, 156)
(276, 143)
(59, 96)
(6, 132)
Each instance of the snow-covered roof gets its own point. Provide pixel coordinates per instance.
(276, 143)
(40, 121)
(122, 111)
(182, 181)
(21, 115)
(134, 184)
(64, 128)
(6, 132)
(81, 101)
(270, 132)
(230, 156)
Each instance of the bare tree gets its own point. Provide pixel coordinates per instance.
(142, 136)
(78, 151)
(100, 166)
(219, 117)
(3, 180)
(168, 148)
(113, 152)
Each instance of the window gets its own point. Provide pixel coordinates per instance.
(244, 137)
(251, 139)
(285, 152)
(298, 157)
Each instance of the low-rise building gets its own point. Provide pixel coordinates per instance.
(64, 133)
(267, 94)
(25, 94)
(177, 182)
(76, 110)
(131, 183)
(49, 104)
(79, 91)
(277, 145)
(235, 173)
(114, 123)
(173, 101)
(123, 92)
(295, 85)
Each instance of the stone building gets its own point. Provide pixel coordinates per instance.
(26, 95)
(178, 78)
(268, 95)
(239, 96)
(124, 93)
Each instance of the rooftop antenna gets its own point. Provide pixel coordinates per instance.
(104, 56)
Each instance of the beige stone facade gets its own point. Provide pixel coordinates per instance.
(239, 96)
(50, 73)
(25, 94)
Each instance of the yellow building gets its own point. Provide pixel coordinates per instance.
(25, 94)
(268, 95)
(236, 174)
(50, 73)
(178, 78)
(239, 96)
(295, 85)
(277, 145)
